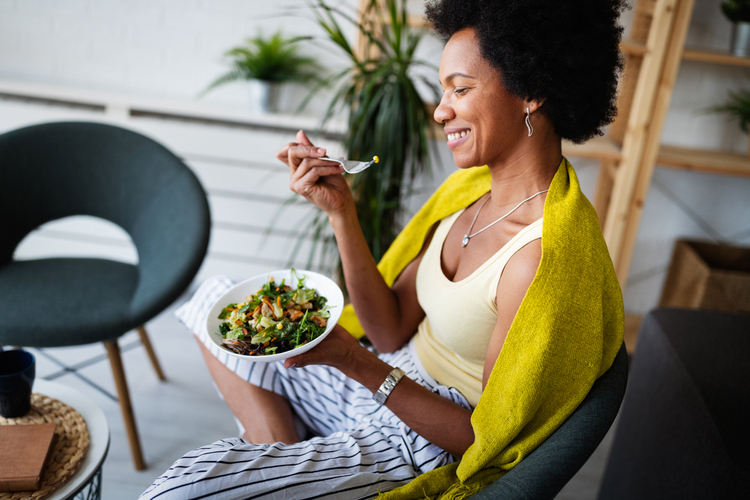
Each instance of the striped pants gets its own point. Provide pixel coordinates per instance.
(359, 448)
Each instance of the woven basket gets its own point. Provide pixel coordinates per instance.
(70, 447)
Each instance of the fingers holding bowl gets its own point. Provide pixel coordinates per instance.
(337, 350)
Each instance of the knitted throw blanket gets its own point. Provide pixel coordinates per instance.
(565, 335)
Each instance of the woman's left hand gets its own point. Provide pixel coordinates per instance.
(338, 349)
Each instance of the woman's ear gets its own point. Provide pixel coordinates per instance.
(533, 104)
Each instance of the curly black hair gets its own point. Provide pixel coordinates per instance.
(564, 52)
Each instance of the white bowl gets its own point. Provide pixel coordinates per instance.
(325, 286)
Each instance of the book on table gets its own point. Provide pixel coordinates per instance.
(24, 451)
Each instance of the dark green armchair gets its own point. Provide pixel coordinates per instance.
(55, 170)
(546, 470)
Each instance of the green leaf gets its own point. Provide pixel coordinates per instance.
(227, 311)
(736, 11)
(262, 337)
(305, 295)
(737, 107)
(234, 334)
(266, 323)
(273, 59)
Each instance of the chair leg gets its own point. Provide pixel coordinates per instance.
(150, 351)
(113, 351)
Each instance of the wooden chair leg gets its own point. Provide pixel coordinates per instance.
(115, 360)
(150, 351)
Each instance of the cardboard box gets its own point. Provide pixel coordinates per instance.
(704, 275)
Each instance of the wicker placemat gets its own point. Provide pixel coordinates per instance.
(70, 447)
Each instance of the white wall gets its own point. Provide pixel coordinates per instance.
(157, 48)
(171, 49)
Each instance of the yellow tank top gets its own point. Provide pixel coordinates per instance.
(452, 339)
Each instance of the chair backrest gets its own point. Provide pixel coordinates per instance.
(55, 170)
(683, 430)
(542, 474)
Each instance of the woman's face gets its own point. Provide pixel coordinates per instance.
(484, 122)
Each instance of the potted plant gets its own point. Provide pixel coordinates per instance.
(738, 12)
(385, 114)
(266, 63)
(737, 107)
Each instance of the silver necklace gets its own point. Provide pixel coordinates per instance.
(467, 236)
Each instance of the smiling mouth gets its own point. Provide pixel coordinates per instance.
(458, 135)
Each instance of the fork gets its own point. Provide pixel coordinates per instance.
(352, 166)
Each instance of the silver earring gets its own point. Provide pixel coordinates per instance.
(528, 122)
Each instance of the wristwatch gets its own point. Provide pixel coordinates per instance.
(387, 386)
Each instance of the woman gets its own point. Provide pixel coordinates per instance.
(481, 312)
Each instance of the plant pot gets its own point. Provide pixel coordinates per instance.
(264, 96)
(740, 41)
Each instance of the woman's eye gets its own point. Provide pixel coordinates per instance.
(460, 91)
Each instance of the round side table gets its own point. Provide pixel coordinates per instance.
(86, 484)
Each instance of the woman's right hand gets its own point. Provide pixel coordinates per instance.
(319, 181)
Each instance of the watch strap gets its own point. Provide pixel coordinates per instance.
(387, 386)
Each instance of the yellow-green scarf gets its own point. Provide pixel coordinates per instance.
(565, 335)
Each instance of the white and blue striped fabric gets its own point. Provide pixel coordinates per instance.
(359, 448)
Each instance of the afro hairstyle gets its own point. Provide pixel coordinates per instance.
(562, 52)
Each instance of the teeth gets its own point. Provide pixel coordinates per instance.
(458, 135)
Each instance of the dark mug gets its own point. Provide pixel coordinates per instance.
(17, 369)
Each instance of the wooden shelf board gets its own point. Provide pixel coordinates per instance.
(600, 148)
(716, 57)
(700, 160)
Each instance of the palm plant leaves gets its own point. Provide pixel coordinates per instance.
(738, 106)
(386, 115)
(737, 11)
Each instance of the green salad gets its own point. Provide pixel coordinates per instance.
(276, 319)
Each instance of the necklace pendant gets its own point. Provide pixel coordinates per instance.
(465, 241)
